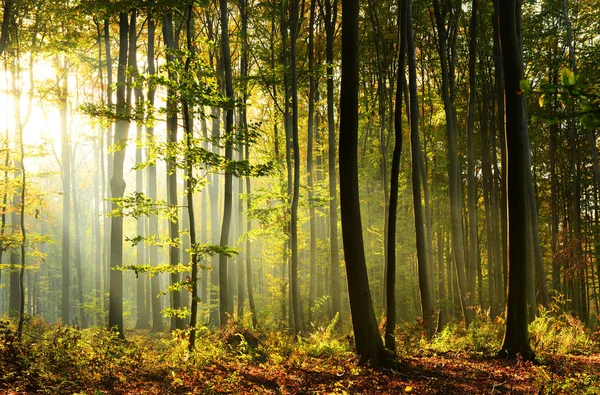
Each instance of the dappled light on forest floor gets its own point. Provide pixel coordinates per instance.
(62, 360)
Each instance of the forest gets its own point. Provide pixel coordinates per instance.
(299, 196)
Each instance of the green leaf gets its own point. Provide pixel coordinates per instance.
(525, 86)
(568, 77)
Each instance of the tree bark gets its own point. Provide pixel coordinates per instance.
(117, 188)
(516, 340)
(227, 201)
(454, 172)
(157, 322)
(174, 253)
(390, 325)
(473, 254)
(330, 25)
(425, 278)
(368, 341)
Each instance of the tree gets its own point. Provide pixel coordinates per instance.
(66, 199)
(171, 42)
(454, 171)
(6, 16)
(157, 324)
(368, 341)
(294, 291)
(227, 201)
(117, 187)
(330, 27)
(425, 278)
(516, 339)
(390, 325)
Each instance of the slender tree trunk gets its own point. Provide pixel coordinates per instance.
(516, 339)
(499, 78)
(23, 232)
(117, 187)
(454, 172)
(312, 293)
(174, 253)
(330, 25)
(295, 292)
(78, 255)
(142, 321)
(390, 326)
(473, 253)
(66, 203)
(425, 279)
(227, 203)
(157, 322)
(109, 167)
(368, 341)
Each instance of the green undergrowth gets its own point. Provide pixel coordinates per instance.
(553, 332)
(62, 359)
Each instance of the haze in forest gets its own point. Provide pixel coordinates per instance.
(293, 166)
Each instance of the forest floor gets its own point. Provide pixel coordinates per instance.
(64, 360)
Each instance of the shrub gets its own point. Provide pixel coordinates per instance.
(560, 333)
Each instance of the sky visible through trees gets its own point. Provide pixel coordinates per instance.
(292, 165)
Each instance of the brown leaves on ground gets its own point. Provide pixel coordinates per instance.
(95, 363)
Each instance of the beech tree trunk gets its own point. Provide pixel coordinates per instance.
(454, 171)
(369, 345)
(174, 253)
(330, 25)
(227, 201)
(390, 291)
(425, 278)
(516, 339)
(117, 188)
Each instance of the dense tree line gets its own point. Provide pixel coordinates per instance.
(198, 153)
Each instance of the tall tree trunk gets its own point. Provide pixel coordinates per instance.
(499, 78)
(21, 169)
(78, 255)
(227, 201)
(454, 172)
(174, 253)
(157, 322)
(390, 325)
(66, 203)
(142, 319)
(425, 279)
(191, 182)
(294, 288)
(312, 292)
(117, 188)
(330, 26)
(96, 236)
(368, 341)
(109, 165)
(473, 253)
(516, 339)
